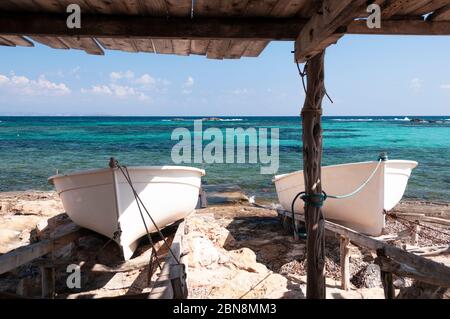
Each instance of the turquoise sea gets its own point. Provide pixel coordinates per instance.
(34, 148)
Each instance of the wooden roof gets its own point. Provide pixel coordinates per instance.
(218, 29)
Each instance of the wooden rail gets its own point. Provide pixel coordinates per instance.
(390, 258)
(171, 283)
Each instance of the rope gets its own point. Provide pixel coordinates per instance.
(356, 191)
(139, 200)
(303, 74)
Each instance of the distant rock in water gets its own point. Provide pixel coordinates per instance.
(417, 120)
(211, 119)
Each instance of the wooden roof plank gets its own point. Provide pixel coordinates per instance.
(52, 42)
(396, 7)
(442, 14)
(432, 6)
(259, 8)
(18, 40)
(144, 45)
(118, 44)
(179, 8)
(181, 47)
(163, 46)
(212, 8)
(199, 47)
(237, 49)
(89, 45)
(50, 5)
(6, 43)
(217, 49)
(288, 8)
(413, 7)
(255, 48)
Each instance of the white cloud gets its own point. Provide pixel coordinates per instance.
(146, 79)
(115, 76)
(239, 91)
(188, 85)
(416, 84)
(39, 87)
(443, 86)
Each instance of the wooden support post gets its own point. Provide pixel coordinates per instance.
(312, 161)
(415, 234)
(386, 277)
(48, 282)
(345, 262)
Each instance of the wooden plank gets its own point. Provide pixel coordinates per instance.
(144, 45)
(6, 42)
(52, 42)
(50, 5)
(392, 8)
(179, 8)
(214, 8)
(322, 29)
(163, 46)
(402, 27)
(26, 254)
(118, 44)
(217, 49)
(259, 8)
(199, 47)
(237, 49)
(413, 7)
(181, 47)
(171, 283)
(386, 276)
(255, 48)
(288, 8)
(87, 44)
(432, 6)
(442, 14)
(437, 273)
(18, 40)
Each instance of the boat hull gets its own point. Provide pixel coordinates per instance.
(104, 202)
(364, 211)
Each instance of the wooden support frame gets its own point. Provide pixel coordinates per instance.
(312, 165)
(171, 283)
(26, 254)
(401, 262)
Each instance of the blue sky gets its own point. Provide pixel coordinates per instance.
(375, 75)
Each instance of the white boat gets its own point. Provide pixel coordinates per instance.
(103, 201)
(364, 211)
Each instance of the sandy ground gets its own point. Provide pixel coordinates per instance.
(236, 251)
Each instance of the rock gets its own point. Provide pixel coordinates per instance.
(245, 259)
(368, 277)
(204, 253)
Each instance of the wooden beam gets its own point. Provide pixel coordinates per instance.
(402, 27)
(312, 163)
(26, 254)
(436, 273)
(17, 40)
(326, 27)
(103, 26)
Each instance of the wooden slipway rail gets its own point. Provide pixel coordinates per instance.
(391, 259)
(171, 283)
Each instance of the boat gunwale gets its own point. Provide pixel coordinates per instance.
(282, 176)
(130, 168)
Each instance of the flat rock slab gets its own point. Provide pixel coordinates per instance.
(224, 194)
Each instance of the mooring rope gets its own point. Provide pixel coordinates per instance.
(139, 200)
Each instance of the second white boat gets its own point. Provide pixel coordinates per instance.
(364, 211)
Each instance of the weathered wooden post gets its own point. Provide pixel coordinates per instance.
(312, 162)
(345, 262)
